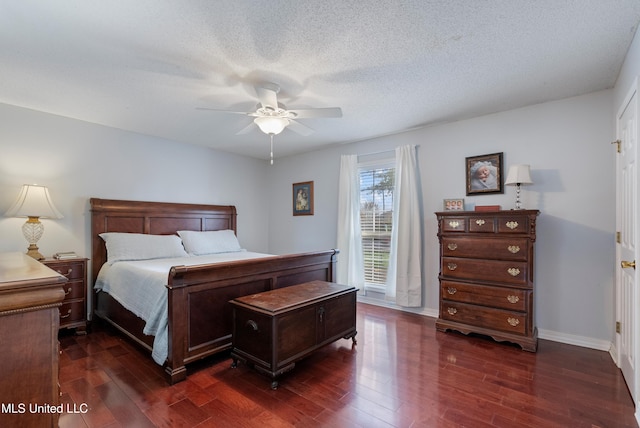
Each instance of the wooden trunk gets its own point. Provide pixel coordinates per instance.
(274, 329)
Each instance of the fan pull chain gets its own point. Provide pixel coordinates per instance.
(271, 135)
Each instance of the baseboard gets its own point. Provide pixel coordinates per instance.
(433, 313)
(570, 339)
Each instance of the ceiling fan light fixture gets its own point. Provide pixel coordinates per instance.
(271, 125)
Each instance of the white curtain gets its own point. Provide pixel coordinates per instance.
(404, 275)
(350, 260)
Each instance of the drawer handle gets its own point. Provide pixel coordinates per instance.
(513, 299)
(66, 316)
(66, 293)
(513, 322)
(513, 271)
(65, 274)
(452, 246)
(512, 224)
(321, 313)
(452, 311)
(454, 224)
(480, 222)
(251, 324)
(452, 266)
(452, 290)
(513, 249)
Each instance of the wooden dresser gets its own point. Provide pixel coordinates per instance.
(486, 274)
(73, 312)
(30, 294)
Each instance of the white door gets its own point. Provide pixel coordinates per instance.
(627, 248)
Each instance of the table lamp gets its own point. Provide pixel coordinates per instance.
(518, 174)
(34, 203)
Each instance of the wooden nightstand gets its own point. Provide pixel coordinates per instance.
(73, 312)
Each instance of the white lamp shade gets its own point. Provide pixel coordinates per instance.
(271, 125)
(518, 174)
(33, 201)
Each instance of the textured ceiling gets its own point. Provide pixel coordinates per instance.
(147, 65)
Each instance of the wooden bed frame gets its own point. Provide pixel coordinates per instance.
(200, 317)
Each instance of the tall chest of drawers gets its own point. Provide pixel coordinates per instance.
(486, 274)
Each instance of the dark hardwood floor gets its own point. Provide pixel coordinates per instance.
(402, 373)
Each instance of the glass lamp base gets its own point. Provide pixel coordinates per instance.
(32, 230)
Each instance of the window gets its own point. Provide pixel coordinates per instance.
(376, 211)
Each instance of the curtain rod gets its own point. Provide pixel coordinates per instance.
(383, 151)
(377, 153)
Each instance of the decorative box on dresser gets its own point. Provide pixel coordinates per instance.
(486, 274)
(30, 294)
(73, 312)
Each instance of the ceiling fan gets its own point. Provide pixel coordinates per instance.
(272, 117)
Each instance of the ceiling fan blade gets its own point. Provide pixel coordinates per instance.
(224, 111)
(246, 129)
(268, 96)
(307, 113)
(299, 128)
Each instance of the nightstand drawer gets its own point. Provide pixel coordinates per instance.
(72, 312)
(73, 290)
(71, 270)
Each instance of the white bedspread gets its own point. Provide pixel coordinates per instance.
(140, 286)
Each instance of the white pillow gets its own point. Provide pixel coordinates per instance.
(139, 246)
(209, 242)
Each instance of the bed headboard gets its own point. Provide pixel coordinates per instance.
(156, 218)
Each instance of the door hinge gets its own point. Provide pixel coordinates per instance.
(618, 327)
(618, 237)
(617, 143)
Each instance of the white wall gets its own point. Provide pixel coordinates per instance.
(79, 160)
(567, 145)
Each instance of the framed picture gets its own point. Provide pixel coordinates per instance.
(303, 198)
(484, 174)
(453, 204)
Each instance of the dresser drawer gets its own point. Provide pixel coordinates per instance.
(481, 316)
(513, 224)
(481, 224)
(508, 272)
(514, 299)
(483, 248)
(454, 224)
